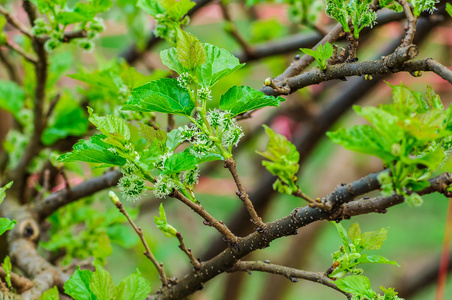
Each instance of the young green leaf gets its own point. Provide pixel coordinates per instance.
(343, 234)
(6, 224)
(190, 51)
(240, 99)
(3, 191)
(12, 97)
(152, 7)
(321, 54)
(78, 285)
(51, 294)
(101, 284)
(163, 225)
(449, 8)
(154, 136)
(354, 233)
(134, 287)
(179, 162)
(162, 95)
(219, 64)
(373, 240)
(284, 157)
(356, 285)
(376, 259)
(110, 125)
(93, 151)
(7, 267)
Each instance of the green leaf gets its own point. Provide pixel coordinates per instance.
(154, 136)
(190, 51)
(6, 224)
(101, 284)
(162, 95)
(342, 234)
(7, 267)
(375, 259)
(177, 9)
(321, 54)
(413, 200)
(134, 287)
(364, 139)
(163, 225)
(354, 233)
(120, 234)
(12, 97)
(3, 191)
(449, 9)
(153, 7)
(83, 12)
(93, 151)
(284, 157)
(373, 240)
(219, 64)
(179, 162)
(78, 285)
(51, 294)
(174, 139)
(240, 99)
(67, 119)
(110, 125)
(356, 285)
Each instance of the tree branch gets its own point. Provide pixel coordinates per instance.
(147, 252)
(53, 202)
(196, 264)
(283, 227)
(15, 22)
(232, 167)
(290, 273)
(209, 220)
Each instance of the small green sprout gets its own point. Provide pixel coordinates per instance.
(321, 54)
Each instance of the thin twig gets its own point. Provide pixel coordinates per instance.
(232, 167)
(411, 23)
(290, 273)
(429, 64)
(12, 72)
(148, 252)
(15, 22)
(196, 264)
(171, 123)
(209, 220)
(231, 29)
(21, 52)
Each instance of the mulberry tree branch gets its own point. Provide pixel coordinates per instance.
(286, 226)
(290, 273)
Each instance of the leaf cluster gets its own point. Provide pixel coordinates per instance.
(358, 13)
(412, 136)
(87, 285)
(283, 161)
(321, 54)
(354, 242)
(360, 288)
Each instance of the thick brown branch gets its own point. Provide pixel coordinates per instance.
(283, 227)
(429, 64)
(290, 273)
(386, 65)
(61, 198)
